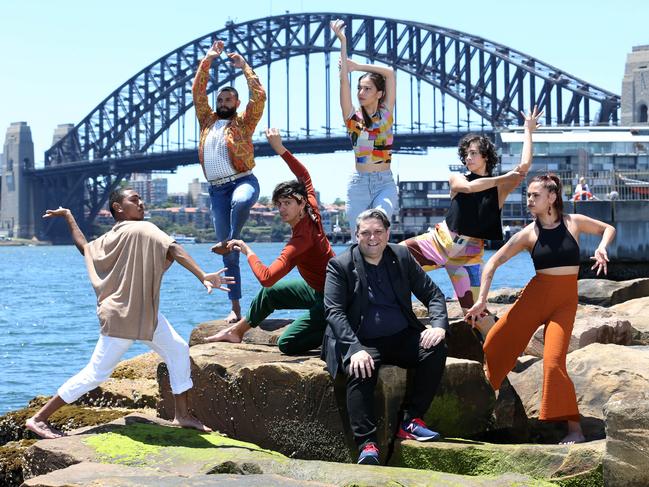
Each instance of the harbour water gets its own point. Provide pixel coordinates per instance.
(48, 325)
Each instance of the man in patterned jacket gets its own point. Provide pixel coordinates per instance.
(226, 155)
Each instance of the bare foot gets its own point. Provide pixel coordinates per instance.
(230, 334)
(220, 248)
(233, 317)
(572, 438)
(190, 422)
(43, 429)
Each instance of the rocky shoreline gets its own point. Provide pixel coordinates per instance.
(279, 417)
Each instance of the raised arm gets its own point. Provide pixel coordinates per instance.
(199, 87)
(209, 280)
(77, 235)
(385, 71)
(346, 106)
(531, 124)
(591, 226)
(296, 167)
(256, 93)
(514, 245)
(460, 184)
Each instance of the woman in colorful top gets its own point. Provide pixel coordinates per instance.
(370, 128)
(308, 250)
(457, 243)
(550, 298)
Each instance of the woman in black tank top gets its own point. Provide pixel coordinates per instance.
(549, 299)
(457, 243)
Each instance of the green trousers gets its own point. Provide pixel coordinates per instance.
(306, 332)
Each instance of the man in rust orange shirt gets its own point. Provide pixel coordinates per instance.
(308, 250)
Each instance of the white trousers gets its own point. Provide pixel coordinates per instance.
(109, 350)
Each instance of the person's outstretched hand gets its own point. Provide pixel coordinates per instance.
(338, 26)
(532, 119)
(216, 280)
(601, 261)
(275, 140)
(216, 50)
(60, 211)
(237, 60)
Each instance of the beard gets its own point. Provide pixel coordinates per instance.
(225, 112)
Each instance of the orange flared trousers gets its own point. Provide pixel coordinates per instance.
(546, 300)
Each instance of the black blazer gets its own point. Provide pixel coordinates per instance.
(346, 299)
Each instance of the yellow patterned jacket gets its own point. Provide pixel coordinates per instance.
(238, 133)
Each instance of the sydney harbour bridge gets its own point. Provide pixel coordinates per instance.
(449, 83)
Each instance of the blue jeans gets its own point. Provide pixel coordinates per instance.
(231, 203)
(367, 190)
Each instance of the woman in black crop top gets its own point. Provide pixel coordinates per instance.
(549, 299)
(457, 244)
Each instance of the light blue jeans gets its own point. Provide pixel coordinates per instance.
(367, 190)
(231, 203)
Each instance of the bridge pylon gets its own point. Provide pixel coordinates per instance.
(16, 204)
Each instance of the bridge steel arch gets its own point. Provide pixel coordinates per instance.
(492, 80)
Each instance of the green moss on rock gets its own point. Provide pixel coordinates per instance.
(141, 443)
(575, 467)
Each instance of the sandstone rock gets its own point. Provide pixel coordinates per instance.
(289, 404)
(266, 334)
(509, 423)
(524, 361)
(463, 342)
(108, 475)
(11, 462)
(637, 312)
(607, 293)
(598, 371)
(12, 424)
(463, 405)
(503, 296)
(578, 464)
(593, 324)
(169, 453)
(627, 439)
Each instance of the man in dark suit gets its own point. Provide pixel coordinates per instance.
(370, 322)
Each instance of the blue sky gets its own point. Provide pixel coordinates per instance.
(60, 59)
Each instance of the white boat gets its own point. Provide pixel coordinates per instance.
(183, 239)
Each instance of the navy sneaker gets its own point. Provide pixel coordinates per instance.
(369, 455)
(416, 429)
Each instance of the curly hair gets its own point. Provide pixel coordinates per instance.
(485, 146)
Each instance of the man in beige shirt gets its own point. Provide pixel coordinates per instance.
(125, 266)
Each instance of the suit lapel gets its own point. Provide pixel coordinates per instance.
(395, 277)
(359, 268)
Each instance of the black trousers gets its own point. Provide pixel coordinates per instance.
(403, 350)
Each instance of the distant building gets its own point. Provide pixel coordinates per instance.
(604, 156)
(197, 217)
(179, 199)
(262, 215)
(635, 87)
(422, 204)
(199, 193)
(159, 191)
